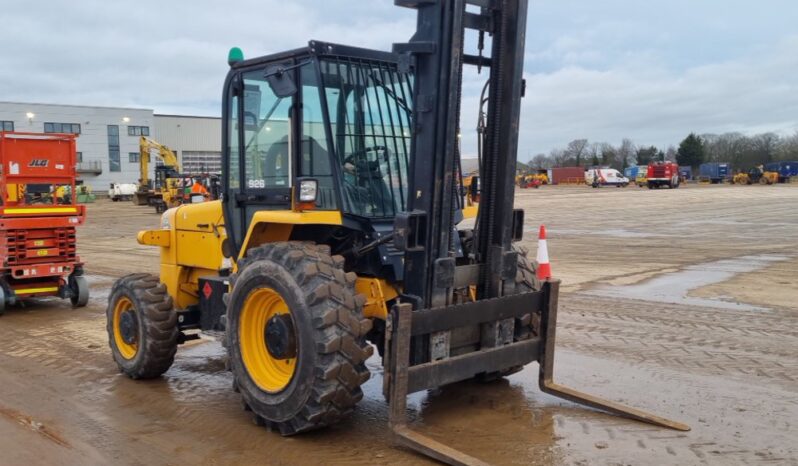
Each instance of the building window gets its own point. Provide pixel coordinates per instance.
(79, 156)
(114, 164)
(66, 128)
(133, 157)
(138, 130)
(202, 162)
(6, 126)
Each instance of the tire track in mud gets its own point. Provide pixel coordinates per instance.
(718, 416)
(33, 425)
(194, 399)
(701, 340)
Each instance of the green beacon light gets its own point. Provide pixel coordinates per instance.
(235, 56)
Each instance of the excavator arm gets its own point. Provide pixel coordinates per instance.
(146, 146)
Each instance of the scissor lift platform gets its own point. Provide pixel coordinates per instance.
(38, 218)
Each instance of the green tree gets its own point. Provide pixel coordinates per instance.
(646, 155)
(691, 151)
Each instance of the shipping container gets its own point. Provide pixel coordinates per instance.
(714, 172)
(568, 175)
(686, 173)
(636, 171)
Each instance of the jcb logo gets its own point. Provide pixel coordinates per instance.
(40, 163)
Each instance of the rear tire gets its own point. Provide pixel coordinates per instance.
(328, 368)
(142, 326)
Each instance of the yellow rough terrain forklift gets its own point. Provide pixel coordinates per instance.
(338, 232)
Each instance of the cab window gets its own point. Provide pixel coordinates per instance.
(267, 129)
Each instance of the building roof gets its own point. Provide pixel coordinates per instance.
(75, 106)
(164, 115)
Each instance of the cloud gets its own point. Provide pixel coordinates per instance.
(658, 106)
(651, 71)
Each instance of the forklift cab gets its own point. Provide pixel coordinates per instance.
(328, 121)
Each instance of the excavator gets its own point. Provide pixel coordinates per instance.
(342, 228)
(149, 193)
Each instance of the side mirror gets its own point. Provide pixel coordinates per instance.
(281, 80)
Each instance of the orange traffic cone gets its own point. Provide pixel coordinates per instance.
(544, 267)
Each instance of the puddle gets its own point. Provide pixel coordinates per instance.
(673, 288)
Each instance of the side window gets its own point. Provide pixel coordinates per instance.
(314, 153)
(267, 130)
(233, 174)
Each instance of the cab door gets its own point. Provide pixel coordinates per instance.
(259, 144)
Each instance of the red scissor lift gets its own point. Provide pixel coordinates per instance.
(38, 217)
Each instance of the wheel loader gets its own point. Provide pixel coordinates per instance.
(342, 228)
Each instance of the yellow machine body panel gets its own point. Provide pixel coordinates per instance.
(190, 239)
(268, 226)
(377, 292)
(770, 178)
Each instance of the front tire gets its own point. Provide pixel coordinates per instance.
(296, 337)
(142, 326)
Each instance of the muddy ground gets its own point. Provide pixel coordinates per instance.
(682, 302)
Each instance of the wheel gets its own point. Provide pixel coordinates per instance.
(79, 289)
(142, 326)
(296, 337)
(2, 301)
(526, 280)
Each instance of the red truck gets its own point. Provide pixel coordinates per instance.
(663, 174)
(38, 217)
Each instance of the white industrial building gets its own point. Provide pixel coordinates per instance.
(108, 142)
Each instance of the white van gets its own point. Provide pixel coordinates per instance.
(122, 191)
(596, 177)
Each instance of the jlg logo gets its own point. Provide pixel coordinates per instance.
(40, 163)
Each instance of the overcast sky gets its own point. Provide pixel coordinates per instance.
(649, 70)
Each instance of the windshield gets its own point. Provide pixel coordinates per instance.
(369, 105)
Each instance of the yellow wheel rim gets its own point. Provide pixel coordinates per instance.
(269, 373)
(127, 350)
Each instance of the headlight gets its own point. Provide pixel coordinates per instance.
(165, 223)
(308, 190)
